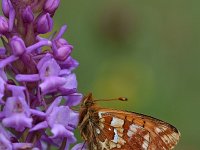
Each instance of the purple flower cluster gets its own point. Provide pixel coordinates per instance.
(37, 83)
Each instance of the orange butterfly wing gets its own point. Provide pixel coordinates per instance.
(121, 130)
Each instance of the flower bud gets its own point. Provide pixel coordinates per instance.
(51, 5)
(63, 52)
(3, 25)
(5, 7)
(28, 15)
(61, 49)
(17, 45)
(61, 42)
(44, 24)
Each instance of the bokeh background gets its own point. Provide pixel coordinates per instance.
(145, 50)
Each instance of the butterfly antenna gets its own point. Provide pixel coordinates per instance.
(112, 99)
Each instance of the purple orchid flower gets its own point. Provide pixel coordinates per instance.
(52, 77)
(17, 114)
(3, 25)
(28, 15)
(60, 119)
(37, 85)
(51, 5)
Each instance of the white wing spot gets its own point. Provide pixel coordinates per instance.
(116, 122)
(98, 131)
(121, 141)
(101, 125)
(100, 114)
(119, 146)
(120, 131)
(175, 135)
(164, 148)
(164, 128)
(145, 144)
(158, 130)
(112, 144)
(146, 137)
(132, 130)
(115, 140)
(104, 145)
(134, 127)
(165, 139)
(130, 133)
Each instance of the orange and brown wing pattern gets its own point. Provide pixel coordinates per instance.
(121, 130)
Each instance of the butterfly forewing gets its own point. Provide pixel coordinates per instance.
(108, 129)
(134, 131)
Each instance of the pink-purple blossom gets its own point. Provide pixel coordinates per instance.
(3, 25)
(38, 87)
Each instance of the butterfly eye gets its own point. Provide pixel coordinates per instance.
(88, 103)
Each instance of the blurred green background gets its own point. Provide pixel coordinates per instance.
(146, 50)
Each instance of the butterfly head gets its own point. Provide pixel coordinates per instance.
(86, 104)
(87, 101)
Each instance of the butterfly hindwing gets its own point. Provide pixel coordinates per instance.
(124, 130)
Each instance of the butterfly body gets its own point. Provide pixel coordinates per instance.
(109, 129)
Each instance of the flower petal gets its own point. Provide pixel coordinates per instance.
(41, 125)
(19, 122)
(70, 84)
(59, 130)
(51, 84)
(5, 144)
(59, 115)
(80, 146)
(22, 146)
(74, 118)
(73, 99)
(49, 68)
(55, 103)
(69, 63)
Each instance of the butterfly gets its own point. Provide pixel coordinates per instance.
(109, 129)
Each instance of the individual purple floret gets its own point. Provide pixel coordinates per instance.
(51, 5)
(37, 85)
(17, 114)
(44, 24)
(27, 15)
(80, 146)
(61, 120)
(3, 25)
